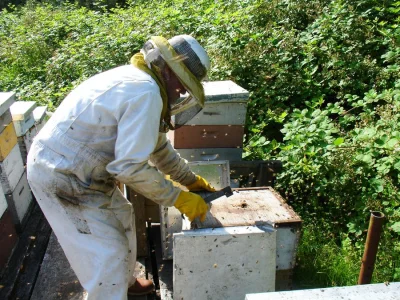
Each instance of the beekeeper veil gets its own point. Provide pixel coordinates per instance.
(190, 63)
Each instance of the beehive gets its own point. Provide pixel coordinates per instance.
(19, 201)
(224, 263)
(216, 133)
(22, 115)
(258, 207)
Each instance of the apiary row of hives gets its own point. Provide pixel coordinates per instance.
(19, 123)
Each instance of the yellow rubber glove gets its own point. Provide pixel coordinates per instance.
(200, 185)
(192, 205)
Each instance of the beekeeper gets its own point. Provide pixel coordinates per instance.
(107, 129)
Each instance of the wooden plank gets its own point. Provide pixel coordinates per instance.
(27, 279)
(137, 201)
(8, 239)
(164, 267)
(152, 211)
(208, 136)
(14, 266)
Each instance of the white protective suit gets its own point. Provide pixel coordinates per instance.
(106, 129)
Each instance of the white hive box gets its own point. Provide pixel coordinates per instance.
(22, 114)
(6, 100)
(258, 206)
(226, 104)
(224, 263)
(210, 154)
(25, 142)
(217, 174)
(11, 170)
(3, 202)
(19, 201)
(39, 114)
(225, 108)
(5, 120)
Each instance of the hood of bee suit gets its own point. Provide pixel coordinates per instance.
(190, 63)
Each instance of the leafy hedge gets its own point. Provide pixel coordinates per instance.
(325, 87)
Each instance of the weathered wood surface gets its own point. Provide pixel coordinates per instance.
(164, 267)
(251, 206)
(208, 136)
(138, 203)
(19, 276)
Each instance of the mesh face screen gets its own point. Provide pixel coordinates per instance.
(189, 57)
(182, 118)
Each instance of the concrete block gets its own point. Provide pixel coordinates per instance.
(380, 291)
(6, 100)
(22, 114)
(224, 263)
(8, 139)
(19, 201)
(11, 170)
(210, 154)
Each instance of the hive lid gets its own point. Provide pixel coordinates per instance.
(248, 207)
(224, 91)
(6, 99)
(21, 109)
(39, 113)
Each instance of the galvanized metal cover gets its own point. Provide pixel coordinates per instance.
(225, 91)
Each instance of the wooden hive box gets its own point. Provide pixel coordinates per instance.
(216, 132)
(11, 170)
(6, 100)
(8, 235)
(19, 202)
(22, 114)
(257, 207)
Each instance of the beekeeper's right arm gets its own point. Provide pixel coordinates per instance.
(138, 127)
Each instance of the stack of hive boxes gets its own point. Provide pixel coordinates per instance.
(12, 205)
(20, 122)
(216, 133)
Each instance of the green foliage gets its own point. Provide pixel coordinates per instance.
(325, 91)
